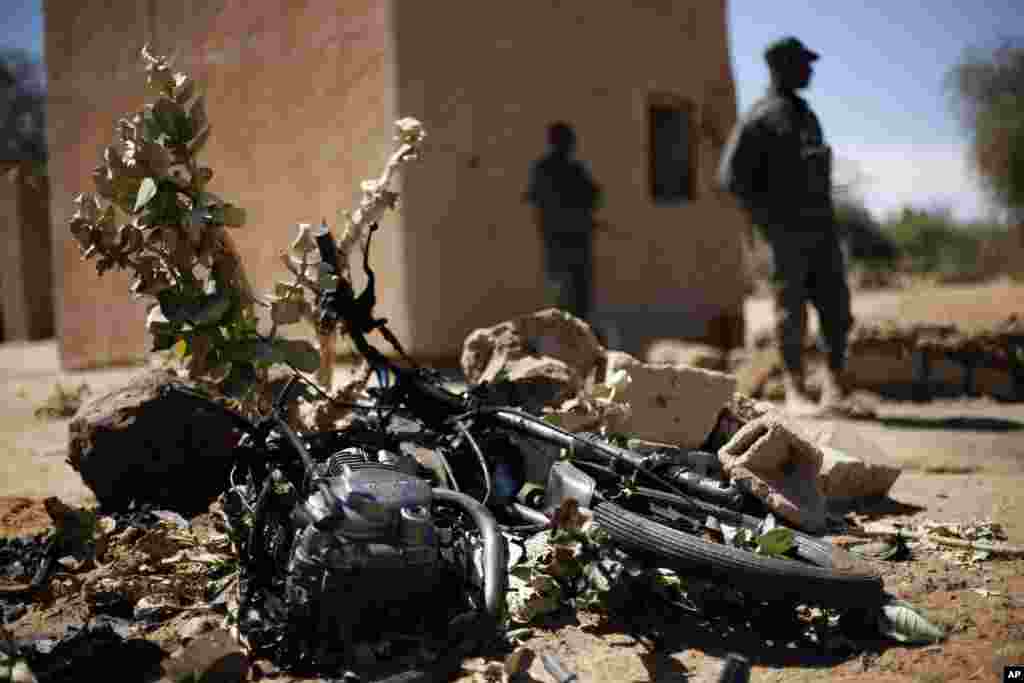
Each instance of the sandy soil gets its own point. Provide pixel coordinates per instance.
(963, 460)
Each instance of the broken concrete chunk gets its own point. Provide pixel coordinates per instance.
(197, 626)
(675, 352)
(548, 347)
(738, 411)
(845, 477)
(671, 403)
(214, 656)
(142, 443)
(853, 465)
(773, 462)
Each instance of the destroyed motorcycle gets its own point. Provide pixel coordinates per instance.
(401, 517)
(672, 493)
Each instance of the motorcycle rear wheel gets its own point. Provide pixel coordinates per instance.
(827, 576)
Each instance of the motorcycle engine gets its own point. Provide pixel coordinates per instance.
(365, 544)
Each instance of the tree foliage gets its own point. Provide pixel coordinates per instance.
(989, 92)
(868, 244)
(22, 108)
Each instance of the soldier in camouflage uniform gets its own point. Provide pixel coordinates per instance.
(779, 168)
(565, 197)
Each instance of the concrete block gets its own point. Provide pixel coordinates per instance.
(675, 404)
(696, 355)
(779, 465)
(853, 465)
(519, 346)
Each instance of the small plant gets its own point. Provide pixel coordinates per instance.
(221, 568)
(298, 300)
(62, 402)
(153, 215)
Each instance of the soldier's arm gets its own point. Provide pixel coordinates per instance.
(531, 193)
(741, 161)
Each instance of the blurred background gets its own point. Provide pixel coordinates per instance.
(923, 103)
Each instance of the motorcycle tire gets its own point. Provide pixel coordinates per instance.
(808, 548)
(843, 581)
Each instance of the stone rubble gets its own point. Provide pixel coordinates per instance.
(672, 403)
(156, 566)
(777, 464)
(161, 447)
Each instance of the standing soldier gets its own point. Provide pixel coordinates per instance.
(565, 197)
(777, 165)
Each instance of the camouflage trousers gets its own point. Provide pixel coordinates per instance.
(568, 271)
(808, 267)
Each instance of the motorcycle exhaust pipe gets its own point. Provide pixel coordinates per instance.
(495, 552)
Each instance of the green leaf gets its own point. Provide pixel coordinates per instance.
(522, 572)
(151, 130)
(250, 350)
(554, 419)
(776, 542)
(299, 352)
(520, 634)
(173, 306)
(239, 380)
(212, 308)
(209, 200)
(900, 621)
(233, 216)
(196, 144)
(173, 120)
(228, 214)
(147, 190)
(181, 348)
(879, 550)
(162, 342)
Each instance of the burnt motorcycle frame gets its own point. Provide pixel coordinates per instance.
(637, 498)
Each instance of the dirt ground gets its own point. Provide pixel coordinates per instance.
(962, 459)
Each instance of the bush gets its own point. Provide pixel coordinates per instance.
(933, 242)
(867, 244)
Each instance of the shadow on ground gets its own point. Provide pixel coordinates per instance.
(874, 509)
(767, 640)
(960, 423)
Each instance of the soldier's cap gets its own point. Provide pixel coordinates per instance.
(788, 49)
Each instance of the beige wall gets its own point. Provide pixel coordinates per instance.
(487, 81)
(26, 283)
(302, 96)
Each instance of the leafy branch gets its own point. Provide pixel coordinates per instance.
(153, 215)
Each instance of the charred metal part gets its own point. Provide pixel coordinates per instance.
(708, 488)
(369, 501)
(529, 515)
(585, 448)
(495, 552)
(736, 669)
(22, 554)
(366, 541)
(566, 481)
(464, 430)
(85, 653)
